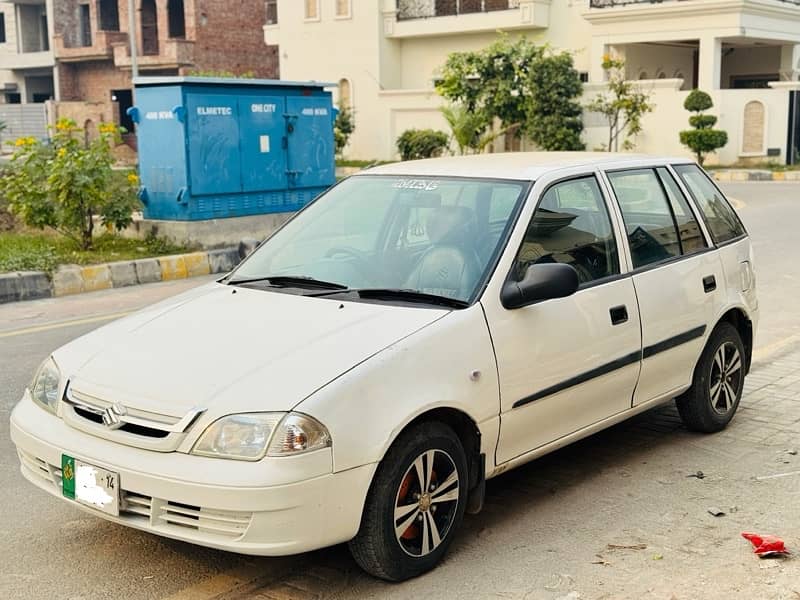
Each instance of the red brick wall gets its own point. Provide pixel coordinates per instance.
(92, 81)
(229, 36)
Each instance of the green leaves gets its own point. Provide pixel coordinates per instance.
(63, 184)
(529, 88)
(701, 140)
(421, 143)
(697, 101)
(343, 127)
(622, 104)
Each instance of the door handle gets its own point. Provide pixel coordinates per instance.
(619, 314)
(709, 283)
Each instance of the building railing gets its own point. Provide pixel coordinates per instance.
(423, 9)
(615, 3)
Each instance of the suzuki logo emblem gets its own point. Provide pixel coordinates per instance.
(112, 414)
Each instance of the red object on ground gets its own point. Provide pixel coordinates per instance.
(766, 545)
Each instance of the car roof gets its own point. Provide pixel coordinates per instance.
(526, 166)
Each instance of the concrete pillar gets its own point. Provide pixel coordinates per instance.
(597, 50)
(710, 64)
(790, 62)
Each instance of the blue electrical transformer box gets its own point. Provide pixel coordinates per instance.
(213, 148)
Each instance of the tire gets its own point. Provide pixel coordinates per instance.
(399, 548)
(709, 405)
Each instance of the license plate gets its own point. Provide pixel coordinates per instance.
(90, 485)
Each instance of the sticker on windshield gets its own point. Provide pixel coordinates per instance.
(426, 185)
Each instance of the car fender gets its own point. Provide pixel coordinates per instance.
(449, 364)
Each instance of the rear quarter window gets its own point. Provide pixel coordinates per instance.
(719, 216)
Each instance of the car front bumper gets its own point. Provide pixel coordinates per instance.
(206, 507)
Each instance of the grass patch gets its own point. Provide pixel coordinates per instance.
(42, 251)
(361, 163)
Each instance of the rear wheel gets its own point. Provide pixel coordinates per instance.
(717, 384)
(415, 504)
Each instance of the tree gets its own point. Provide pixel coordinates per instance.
(470, 129)
(343, 127)
(703, 139)
(555, 117)
(65, 183)
(622, 104)
(528, 88)
(3, 127)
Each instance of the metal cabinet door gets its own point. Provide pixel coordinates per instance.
(262, 131)
(310, 140)
(213, 131)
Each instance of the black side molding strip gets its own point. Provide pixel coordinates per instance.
(670, 343)
(619, 363)
(626, 360)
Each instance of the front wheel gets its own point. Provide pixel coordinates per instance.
(415, 504)
(711, 402)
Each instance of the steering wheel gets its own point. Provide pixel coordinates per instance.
(363, 262)
(347, 251)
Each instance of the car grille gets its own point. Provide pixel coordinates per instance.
(153, 513)
(132, 426)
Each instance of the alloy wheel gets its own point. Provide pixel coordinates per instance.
(426, 503)
(726, 378)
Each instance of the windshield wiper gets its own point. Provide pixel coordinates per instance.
(300, 281)
(403, 295)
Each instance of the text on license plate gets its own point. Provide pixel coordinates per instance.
(90, 485)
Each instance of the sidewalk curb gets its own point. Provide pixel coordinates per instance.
(75, 279)
(755, 175)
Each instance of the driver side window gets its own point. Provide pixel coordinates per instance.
(571, 225)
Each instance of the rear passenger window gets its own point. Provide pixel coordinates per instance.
(571, 225)
(718, 214)
(692, 238)
(649, 222)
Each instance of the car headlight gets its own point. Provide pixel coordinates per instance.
(298, 433)
(44, 389)
(251, 436)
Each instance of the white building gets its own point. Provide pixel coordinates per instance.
(386, 55)
(26, 56)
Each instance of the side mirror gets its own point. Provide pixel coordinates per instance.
(541, 282)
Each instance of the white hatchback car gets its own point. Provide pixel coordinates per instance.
(419, 328)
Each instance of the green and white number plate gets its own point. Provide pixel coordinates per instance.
(90, 485)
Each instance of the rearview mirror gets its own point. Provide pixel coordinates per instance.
(541, 282)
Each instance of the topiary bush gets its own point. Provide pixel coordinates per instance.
(421, 143)
(703, 139)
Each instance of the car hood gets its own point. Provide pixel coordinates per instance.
(232, 349)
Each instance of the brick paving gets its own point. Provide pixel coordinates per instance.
(630, 484)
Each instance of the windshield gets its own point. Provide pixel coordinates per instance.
(438, 236)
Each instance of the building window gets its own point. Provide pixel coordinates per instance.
(343, 9)
(149, 26)
(109, 15)
(85, 19)
(272, 12)
(2, 28)
(176, 19)
(312, 10)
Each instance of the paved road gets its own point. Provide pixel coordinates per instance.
(547, 526)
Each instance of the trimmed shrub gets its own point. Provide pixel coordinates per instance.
(421, 143)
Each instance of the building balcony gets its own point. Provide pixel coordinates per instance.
(626, 10)
(172, 54)
(425, 18)
(102, 47)
(29, 60)
(619, 3)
